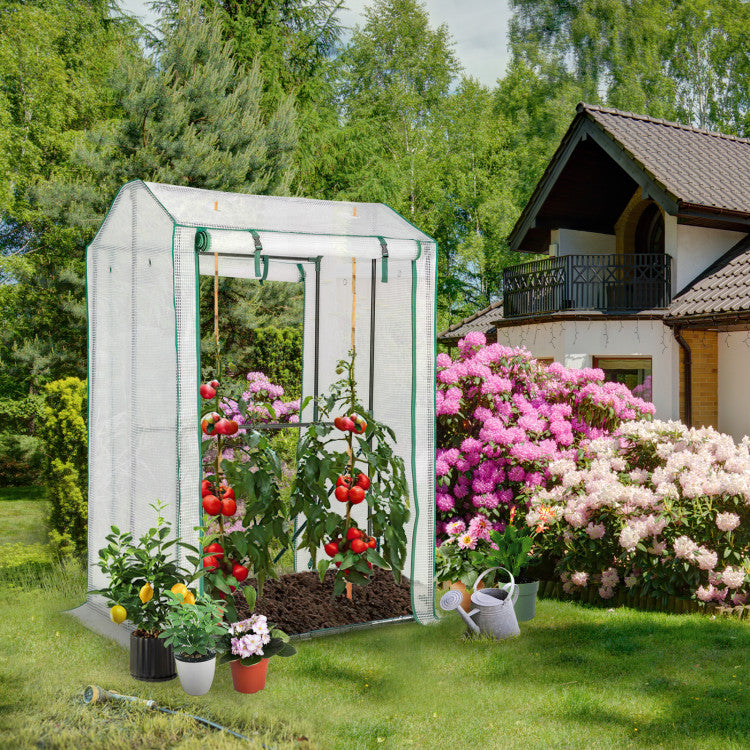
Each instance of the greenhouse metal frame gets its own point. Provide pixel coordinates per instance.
(143, 272)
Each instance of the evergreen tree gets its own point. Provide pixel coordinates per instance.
(189, 116)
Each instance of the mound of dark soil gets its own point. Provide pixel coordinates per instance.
(300, 603)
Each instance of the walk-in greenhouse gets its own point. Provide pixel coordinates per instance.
(143, 273)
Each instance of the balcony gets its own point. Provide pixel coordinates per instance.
(608, 283)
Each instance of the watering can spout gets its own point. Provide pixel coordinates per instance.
(467, 618)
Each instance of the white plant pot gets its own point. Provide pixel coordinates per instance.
(196, 675)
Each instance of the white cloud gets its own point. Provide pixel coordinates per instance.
(478, 27)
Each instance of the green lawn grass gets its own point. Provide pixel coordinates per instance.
(22, 515)
(577, 677)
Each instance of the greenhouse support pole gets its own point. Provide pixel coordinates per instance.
(373, 290)
(317, 339)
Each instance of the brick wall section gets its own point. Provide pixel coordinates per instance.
(705, 358)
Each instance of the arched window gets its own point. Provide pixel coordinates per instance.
(649, 232)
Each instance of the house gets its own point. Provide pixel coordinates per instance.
(640, 230)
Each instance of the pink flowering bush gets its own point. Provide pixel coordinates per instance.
(503, 418)
(253, 405)
(656, 505)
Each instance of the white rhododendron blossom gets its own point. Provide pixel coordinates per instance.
(727, 521)
(655, 504)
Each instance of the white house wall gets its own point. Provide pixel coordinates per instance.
(576, 343)
(734, 394)
(697, 249)
(575, 242)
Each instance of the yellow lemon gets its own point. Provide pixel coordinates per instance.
(118, 614)
(146, 594)
(189, 598)
(179, 588)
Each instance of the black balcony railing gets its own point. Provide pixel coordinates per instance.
(610, 283)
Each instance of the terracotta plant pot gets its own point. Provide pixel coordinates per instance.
(151, 660)
(466, 602)
(196, 674)
(249, 679)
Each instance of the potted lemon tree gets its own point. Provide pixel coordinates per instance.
(142, 573)
(192, 630)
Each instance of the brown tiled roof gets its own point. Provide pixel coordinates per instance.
(480, 321)
(697, 167)
(724, 287)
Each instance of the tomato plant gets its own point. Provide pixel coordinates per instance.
(346, 445)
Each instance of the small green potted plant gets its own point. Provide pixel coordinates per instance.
(248, 645)
(456, 567)
(141, 573)
(192, 630)
(510, 549)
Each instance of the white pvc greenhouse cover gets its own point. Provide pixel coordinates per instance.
(143, 268)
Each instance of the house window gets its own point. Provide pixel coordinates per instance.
(634, 372)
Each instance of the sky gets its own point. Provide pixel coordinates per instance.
(478, 27)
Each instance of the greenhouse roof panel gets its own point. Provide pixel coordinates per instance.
(265, 213)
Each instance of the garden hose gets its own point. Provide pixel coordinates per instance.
(95, 694)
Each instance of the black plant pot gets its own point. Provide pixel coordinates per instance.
(151, 660)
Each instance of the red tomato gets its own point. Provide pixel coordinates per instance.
(210, 562)
(231, 427)
(331, 548)
(227, 492)
(228, 507)
(341, 493)
(338, 563)
(347, 425)
(358, 546)
(356, 495)
(338, 423)
(212, 505)
(206, 484)
(239, 572)
(214, 384)
(363, 481)
(221, 426)
(215, 550)
(207, 391)
(353, 533)
(344, 481)
(372, 543)
(207, 491)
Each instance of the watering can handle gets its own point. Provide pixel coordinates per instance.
(513, 587)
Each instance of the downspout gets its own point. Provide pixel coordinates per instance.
(688, 385)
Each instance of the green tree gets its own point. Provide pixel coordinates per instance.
(682, 60)
(55, 57)
(188, 115)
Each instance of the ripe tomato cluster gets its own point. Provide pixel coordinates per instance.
(353, 423)
(215, 423)
(346, 492)
(226, 505)
(355, 540)
(215, 560)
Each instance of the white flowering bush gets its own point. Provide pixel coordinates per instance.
(655, 506)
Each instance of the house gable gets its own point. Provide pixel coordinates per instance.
(606, 155)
